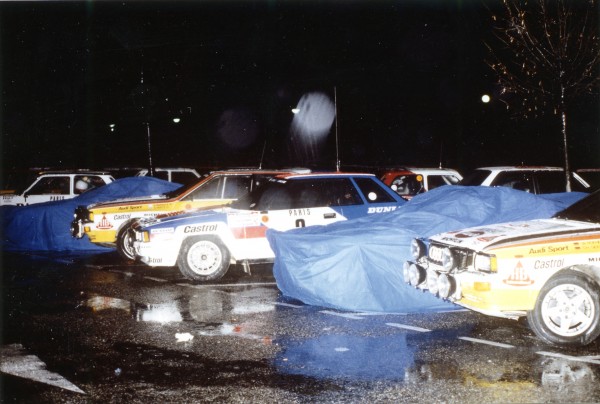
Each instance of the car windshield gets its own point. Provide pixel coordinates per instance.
(475, 178)
(585, 210)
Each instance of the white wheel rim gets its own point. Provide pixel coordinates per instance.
(204, 258)
(568, 310)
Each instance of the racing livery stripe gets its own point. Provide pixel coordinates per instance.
(249, 232)
(546, 238)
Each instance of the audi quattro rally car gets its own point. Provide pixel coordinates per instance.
(547, 270)
(204, 244)
(107, 223)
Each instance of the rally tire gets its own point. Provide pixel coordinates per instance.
(567, 310)
(203, 258)
(125, 243)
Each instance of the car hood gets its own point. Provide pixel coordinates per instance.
(127, 201)
(482, 237)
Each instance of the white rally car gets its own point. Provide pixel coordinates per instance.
(204, 244)
(57, 186)
(547, 270)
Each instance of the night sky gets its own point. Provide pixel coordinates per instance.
(405, 77)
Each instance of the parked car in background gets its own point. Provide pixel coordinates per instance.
(107, 223)
(177, 174)
(591, 176)
(537, 180)
(408, 182)
(57, 186)
(547, 270)
(204, 244)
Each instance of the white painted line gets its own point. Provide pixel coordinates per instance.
(295, 306)
(16, 362)
(408, 327)
(345, 315)
(155, 279)
(585, 359)
(486, 342)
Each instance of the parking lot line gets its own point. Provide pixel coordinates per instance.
(408, 327)
(484, 341)
(345, 315)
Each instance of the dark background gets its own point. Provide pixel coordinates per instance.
(406, 78)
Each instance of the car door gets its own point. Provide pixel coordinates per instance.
(51, 188)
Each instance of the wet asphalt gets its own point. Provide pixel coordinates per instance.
(92, 328)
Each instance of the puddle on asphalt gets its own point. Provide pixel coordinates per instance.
(391, 358)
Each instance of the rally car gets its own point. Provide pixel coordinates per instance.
(204, 244)
(547, 270)
(57, 186)
(408, 182)
(107, 223)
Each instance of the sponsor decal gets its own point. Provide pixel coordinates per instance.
(381, 209)
(121, 217)
(548, 264)
(486, 239)
(299, 212)
(541, 250)
(452, 240)
(594, 259)
(154, 260)
(519, 277)
(563, 248)
(104, 224)
(162, 230)
(188, 206)
(203, 228)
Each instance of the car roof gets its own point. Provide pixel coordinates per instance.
(521, 168)
(326, 174)
(74, 172)
(261, 170)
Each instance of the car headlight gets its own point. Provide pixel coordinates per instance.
(417, 248)
(91, 216)
(448, 261)
(414, 274)
(446, 285)
(485, 263)
(432, 282)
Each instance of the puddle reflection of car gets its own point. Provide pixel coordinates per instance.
(413, 181)
(204, 244)
(107, 223)
(547, 270)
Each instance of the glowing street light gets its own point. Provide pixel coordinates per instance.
(485, 98)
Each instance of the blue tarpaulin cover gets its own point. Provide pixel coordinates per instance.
(357, 265)
(46, 226)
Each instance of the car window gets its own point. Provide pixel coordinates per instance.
(210, 189)
(408, 185)
(236, 186)
(434, 181)
(520, 180)
(163, 175)
(51, 185)
(84, 183)
(550, 182)
(475, 178)
(372, 191)
(184, 177)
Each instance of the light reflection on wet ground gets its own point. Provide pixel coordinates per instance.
(233, 332)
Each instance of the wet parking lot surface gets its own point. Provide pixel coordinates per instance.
(95, 329)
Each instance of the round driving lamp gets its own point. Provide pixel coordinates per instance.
(432, 282)
(447, 259)
(417, 248)
(446, 286)
(416, 275)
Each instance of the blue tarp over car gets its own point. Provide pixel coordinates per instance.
(357, 265)
(46, 226)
